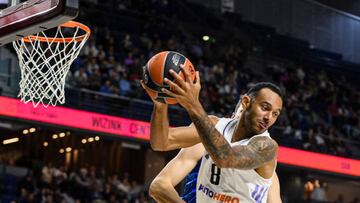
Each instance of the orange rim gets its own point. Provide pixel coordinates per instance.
(69, 24)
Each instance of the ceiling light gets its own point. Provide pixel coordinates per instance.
(206, 38)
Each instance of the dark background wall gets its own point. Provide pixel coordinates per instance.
(324, 27)
(349, 6)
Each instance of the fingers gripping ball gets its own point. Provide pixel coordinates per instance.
(157, 68)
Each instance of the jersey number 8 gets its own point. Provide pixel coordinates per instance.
(215, 174)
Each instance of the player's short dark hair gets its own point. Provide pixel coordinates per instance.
(255, 89)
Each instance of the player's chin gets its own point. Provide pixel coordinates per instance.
(258, 130)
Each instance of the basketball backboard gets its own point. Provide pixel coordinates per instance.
(34, 16)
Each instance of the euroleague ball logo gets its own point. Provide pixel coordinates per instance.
(145, 76)
(175, 59)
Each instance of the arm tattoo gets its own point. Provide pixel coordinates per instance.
(213, 141)
(259, 150)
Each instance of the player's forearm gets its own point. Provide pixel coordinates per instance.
(259, 151)
(168, 196)
(159, 127)
(213, 141)
(164, 192)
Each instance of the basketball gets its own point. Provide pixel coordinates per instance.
(157, 68)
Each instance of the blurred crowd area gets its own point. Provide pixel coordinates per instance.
(321, 109)
(316, 191)
(49, 184)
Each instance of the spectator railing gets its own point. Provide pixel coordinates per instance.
(116, 105)
(141, 110)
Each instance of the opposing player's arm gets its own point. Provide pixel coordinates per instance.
(259, 151)
(274, 191)
(163, 138)
(162, 188)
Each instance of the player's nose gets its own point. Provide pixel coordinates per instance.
(267, 118)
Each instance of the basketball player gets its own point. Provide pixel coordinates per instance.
(238, 157)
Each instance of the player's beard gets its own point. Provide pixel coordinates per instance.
(252, 122)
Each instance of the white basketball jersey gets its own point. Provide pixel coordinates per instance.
(227, 184)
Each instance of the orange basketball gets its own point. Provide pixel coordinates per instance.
(157, 68)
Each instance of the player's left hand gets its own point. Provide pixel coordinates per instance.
(185, 91)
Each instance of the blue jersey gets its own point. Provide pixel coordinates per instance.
(189, 194)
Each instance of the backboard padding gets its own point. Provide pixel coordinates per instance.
(34, 16)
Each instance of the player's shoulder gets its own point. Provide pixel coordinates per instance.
(264, 142)
(214, 119)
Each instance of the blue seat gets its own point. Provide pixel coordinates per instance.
(10, 179)
(7, 198)
(11, 190)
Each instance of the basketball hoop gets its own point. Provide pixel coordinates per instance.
(45, 60)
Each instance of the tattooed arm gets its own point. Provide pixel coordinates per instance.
(259, 151)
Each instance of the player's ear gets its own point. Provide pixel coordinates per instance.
(245, 101)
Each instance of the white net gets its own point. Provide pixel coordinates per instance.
(44, 62)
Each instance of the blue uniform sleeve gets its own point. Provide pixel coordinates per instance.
(189, 193)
